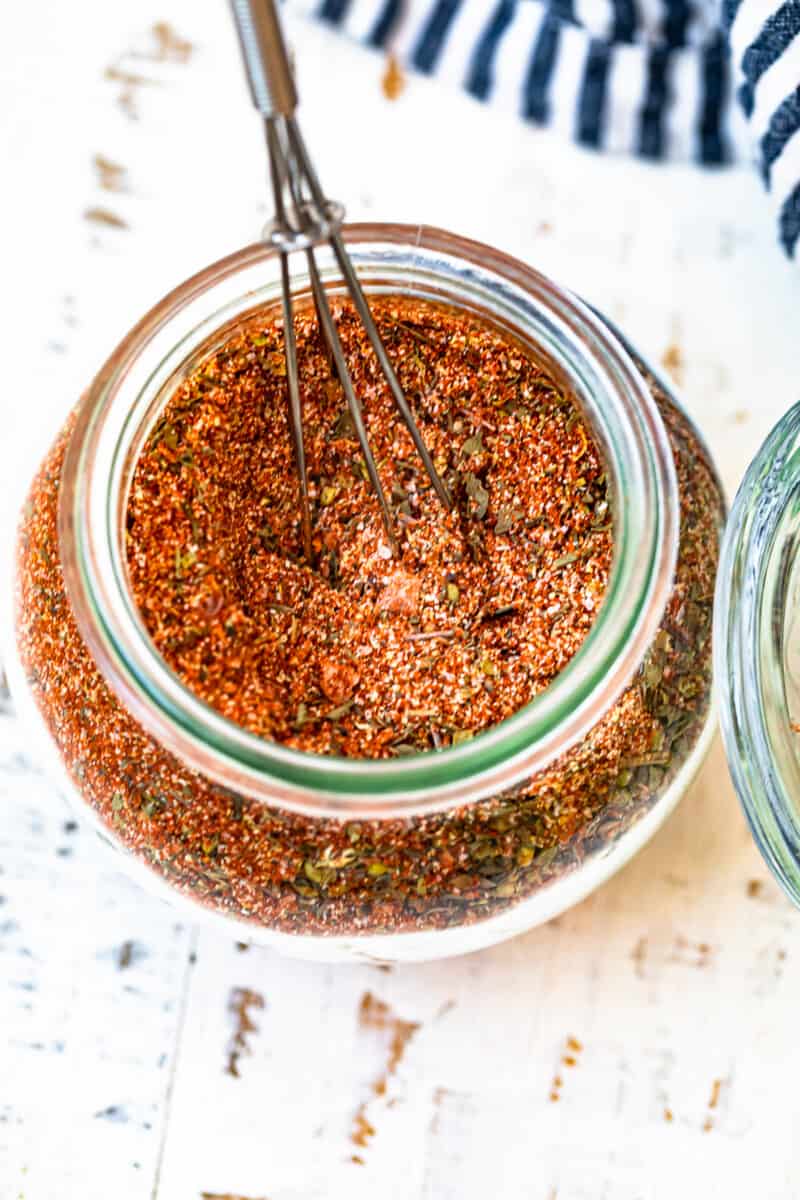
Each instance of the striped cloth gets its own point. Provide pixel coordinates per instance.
(708, 81)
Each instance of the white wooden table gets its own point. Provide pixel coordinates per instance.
(641, 1047)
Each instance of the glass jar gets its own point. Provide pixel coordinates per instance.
(757, 654)
(412, 858)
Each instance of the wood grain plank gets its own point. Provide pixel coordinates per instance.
(90, 976)
(677, 981)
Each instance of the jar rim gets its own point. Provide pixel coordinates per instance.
(646, 535)
(756, 587)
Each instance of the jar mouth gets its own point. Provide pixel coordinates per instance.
(122, 405)
(757, 649)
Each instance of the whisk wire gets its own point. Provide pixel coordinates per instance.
(365, 314)
(290, 352)
(353, 403)
(304, 218)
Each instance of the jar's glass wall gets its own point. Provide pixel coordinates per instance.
(756, 649)
(440, 882)
(126, 398)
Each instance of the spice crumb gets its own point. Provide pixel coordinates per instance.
(672, 361)
(375, 1015)
(104, 216)
(125, 957)
(110, 175)
(393, 82)
(639, 956)
(363, 1130)
(243, 1002)
(164, 45)
(228, 1196)
(169, 45)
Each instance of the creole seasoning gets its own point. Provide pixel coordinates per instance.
(364, 654)
(482, 607)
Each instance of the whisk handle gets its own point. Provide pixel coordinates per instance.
(265, 56)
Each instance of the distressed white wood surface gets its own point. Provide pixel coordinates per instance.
(678, 981)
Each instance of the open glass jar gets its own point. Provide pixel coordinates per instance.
(418, 857)
(757, 651)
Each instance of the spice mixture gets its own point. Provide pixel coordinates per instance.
(319, 876)
(365, 654)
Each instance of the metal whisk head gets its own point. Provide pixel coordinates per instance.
(304, 218)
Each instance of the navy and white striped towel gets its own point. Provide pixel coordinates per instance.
(702, 80)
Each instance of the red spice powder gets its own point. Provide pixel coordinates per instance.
(305, 875)
(360, 653)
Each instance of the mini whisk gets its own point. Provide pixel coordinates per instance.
(304, 218)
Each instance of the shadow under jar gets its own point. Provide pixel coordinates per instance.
(410, 858)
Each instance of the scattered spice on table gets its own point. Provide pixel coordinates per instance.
(111, 176)
(672, 362)
(104, 216)
(375, 1016)
(393, 81)
(324, 876)
(228, 1196)
(242, 1004)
